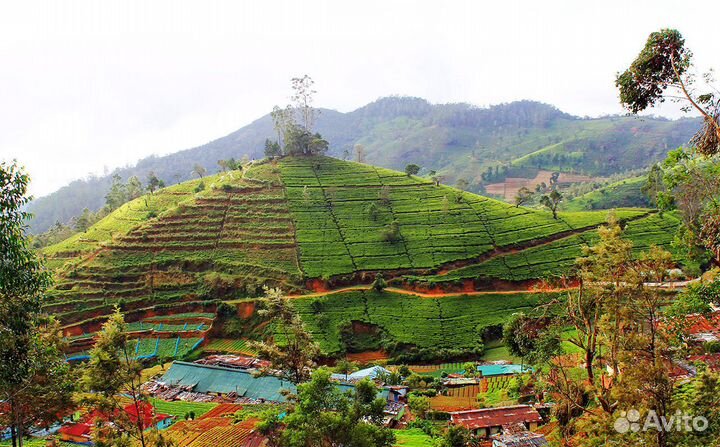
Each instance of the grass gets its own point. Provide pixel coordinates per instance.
(413, 437)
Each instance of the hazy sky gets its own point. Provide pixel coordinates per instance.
(89, 84)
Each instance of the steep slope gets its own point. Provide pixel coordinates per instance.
(303, 223)
(457, 140)
(623, 193)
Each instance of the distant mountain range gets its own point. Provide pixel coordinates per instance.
(456, 140)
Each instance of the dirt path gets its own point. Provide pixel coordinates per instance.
(431, 295)
(672, 285)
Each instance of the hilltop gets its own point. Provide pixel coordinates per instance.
(309, 224)
(521, 139)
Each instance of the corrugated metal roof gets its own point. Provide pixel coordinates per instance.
(217, 379)
(495, 417)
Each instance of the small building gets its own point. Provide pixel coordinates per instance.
(373, 373)
(486, 422)
(223, 381)
(517, 436)
(78, 433)
(81, 433)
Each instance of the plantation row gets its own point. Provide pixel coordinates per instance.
(454, 322)
(557, 258)
(353, 217)
(227, 239)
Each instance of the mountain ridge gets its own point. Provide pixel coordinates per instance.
(454, 139)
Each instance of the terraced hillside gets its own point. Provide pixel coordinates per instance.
(310, 223)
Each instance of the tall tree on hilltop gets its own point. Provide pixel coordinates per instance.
(283, 119)
(302, 99)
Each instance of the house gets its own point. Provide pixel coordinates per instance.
(373, 373)
(81, 433)
(517, 436)
(224, 381)
(490, 421)
(148, 417)
(525, 439)
(78, 433)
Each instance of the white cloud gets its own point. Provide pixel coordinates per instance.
(87, 84)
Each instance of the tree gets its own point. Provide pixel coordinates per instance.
(654, 185)
(519, 335)
(664, 63)
(462, 184)
(322, 415)
(346, 367)
(379, 284)
(117, 194)
(391, 232)
(24, 360)
(419, 405)
(134, 188)
(524, 195)
(199, 170)
(359, 153)
(295, 351)
(111, 373)
(302, 98)
(154, 183)
(283, 120)
(372, 211)
(84, 220)
(456, 436)
(551, 201)
(272, 148)
(412, 169)
(50, 382)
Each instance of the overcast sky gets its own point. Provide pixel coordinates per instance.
(91, 84)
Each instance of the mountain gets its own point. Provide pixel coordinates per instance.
(519, 139)
(315, 223)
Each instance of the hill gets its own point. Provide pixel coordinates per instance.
(315, 223)
(623, 193)
(482, 145)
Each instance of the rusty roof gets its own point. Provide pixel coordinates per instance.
(495, 417)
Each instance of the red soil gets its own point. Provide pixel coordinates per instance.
(367, 357)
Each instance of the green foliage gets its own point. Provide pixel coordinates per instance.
(324, 415)
(412, 169)
(659, 65)
(379, 284)
(427, 328)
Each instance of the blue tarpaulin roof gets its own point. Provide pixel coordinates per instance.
(219, 380)
(210, 379)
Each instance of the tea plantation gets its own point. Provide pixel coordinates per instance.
(303, 223)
